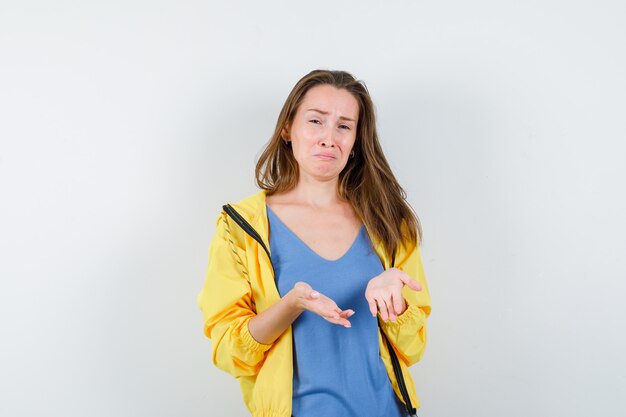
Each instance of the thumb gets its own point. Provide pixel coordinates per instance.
(411, 283)
(306, 290)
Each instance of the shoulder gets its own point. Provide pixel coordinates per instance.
(251, 207)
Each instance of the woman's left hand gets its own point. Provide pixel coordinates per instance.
(384, 293)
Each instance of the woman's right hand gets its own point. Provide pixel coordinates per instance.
(305, 298)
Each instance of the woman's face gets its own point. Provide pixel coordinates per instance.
(323, 132)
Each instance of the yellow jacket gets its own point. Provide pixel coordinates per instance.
(240, 283)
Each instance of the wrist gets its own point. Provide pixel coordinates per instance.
(293, 301)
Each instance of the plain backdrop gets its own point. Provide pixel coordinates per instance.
(125, 125)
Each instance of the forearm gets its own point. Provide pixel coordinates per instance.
(267, 326)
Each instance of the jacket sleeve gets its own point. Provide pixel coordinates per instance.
(227, 306)
(408, 333)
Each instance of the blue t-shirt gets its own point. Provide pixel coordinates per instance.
(337, 371)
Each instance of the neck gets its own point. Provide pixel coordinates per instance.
(317, 193)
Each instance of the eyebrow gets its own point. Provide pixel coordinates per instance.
(326, 113)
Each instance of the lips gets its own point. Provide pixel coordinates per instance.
(325, 156)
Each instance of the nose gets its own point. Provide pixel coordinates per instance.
(327, 139)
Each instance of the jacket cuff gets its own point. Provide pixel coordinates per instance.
(411, 313)
(249, 342)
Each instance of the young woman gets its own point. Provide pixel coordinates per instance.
(315, 285)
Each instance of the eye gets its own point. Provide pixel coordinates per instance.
(315, 121)
(344, 127)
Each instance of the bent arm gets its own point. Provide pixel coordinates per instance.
(267, 326)
(239, 335)
(227, 307)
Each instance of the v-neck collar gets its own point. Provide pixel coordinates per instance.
(303, 243)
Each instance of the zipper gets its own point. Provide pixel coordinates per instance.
(249, 230)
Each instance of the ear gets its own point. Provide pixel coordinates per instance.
(284, 134)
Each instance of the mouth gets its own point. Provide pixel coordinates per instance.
(324, 156)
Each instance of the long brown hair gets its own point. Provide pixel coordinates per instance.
(366, 181)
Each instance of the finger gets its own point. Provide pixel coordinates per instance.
(346, 313)
(345, 323)
(332, 314)
(327, 308)
(382, 307)
(390, 310)
(372, 305)
(391, 314)
(343, 318)
(398, 302)
(340, 321)
(410, 282)
(331, 318)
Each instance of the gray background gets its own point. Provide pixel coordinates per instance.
(125, 125)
